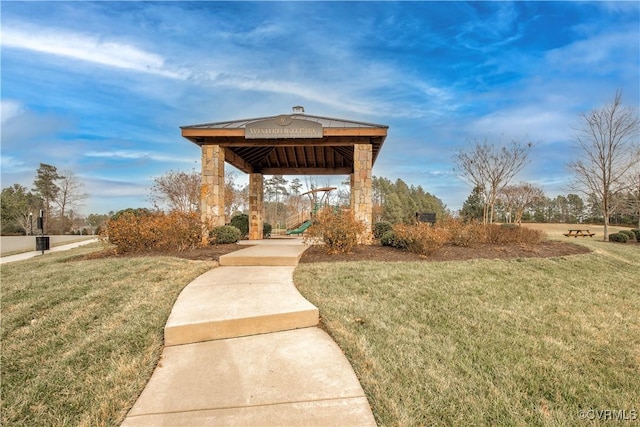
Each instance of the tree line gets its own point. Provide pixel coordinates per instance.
(606, 172)
(55, 196)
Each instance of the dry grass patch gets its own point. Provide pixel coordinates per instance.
(487, 342)
(80, 339)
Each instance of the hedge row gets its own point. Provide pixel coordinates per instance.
(425, 239)
(143, 231)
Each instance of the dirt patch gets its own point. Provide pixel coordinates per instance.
(378, 252)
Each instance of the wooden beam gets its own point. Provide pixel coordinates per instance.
(307, 171)
(335, 142)
(191, 132)
(237, 161)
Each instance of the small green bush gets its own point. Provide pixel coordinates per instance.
(636, 232)
(266, 230)
(618, 237)
(241, 222)
(390, 239)
(380, 228)
(224, 234)
(630, 234)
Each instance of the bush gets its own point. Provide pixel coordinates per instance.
(389, 239)
(266, 230)
(421, 238)
(224, 234)
(618, 237)
(339, 230)
(630, 234)
(143, 231)
(241, 222)
(464, 234)
(379, 228)
(502, 235)
(139, 212)
(636, 232)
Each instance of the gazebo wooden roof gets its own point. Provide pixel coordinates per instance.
(295, 144)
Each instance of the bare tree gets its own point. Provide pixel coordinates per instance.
(179, 191)
(607, 149)
(519, 197)
(70, 196)
(633, 191)
(234, 200)
(491, 168)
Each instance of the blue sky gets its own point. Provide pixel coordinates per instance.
(101, 88)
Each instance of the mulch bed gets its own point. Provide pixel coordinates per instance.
(377, 252)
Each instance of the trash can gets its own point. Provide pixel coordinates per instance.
(42, 243)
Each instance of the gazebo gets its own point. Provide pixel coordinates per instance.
(286, 144)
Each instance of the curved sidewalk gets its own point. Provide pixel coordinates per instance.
(242, 348)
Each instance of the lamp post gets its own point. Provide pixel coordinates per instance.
(31, 223)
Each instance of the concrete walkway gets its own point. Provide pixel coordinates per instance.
(26, 255)
(242, 348)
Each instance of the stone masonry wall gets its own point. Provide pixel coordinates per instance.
(361, 187)
(212, 188)
(256, 205)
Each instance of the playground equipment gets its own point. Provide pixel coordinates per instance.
(300, 221)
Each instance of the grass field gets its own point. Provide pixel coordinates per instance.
(80, 339)
(520, 342)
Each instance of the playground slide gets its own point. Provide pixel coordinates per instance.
(302, 228)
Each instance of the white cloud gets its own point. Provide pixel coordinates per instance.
(10, 109)
(135, 155)
(11, 164)
(83, 47)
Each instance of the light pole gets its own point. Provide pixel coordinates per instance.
(31, 223)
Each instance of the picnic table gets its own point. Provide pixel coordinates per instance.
(578, 232)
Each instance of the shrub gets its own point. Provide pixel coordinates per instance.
(501, 235)
(241, 222)
(266, 229)
(630, 234)
(389, 239)
(464, 234)
(618, 237)
(139, 212)
(143, 231)
(421, 238)
(224, 234)
(339, 230)
(379, 228)
(636, 232)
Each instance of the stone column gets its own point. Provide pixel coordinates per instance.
(256, 205)
(361, 187)
(212, 189)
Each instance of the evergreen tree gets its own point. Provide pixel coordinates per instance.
(46, 188)
(473, 207)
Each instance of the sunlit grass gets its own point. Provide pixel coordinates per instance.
(488, 342)
(80, 339)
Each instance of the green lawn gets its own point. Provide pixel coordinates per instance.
(80, 339)
(488, 342)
